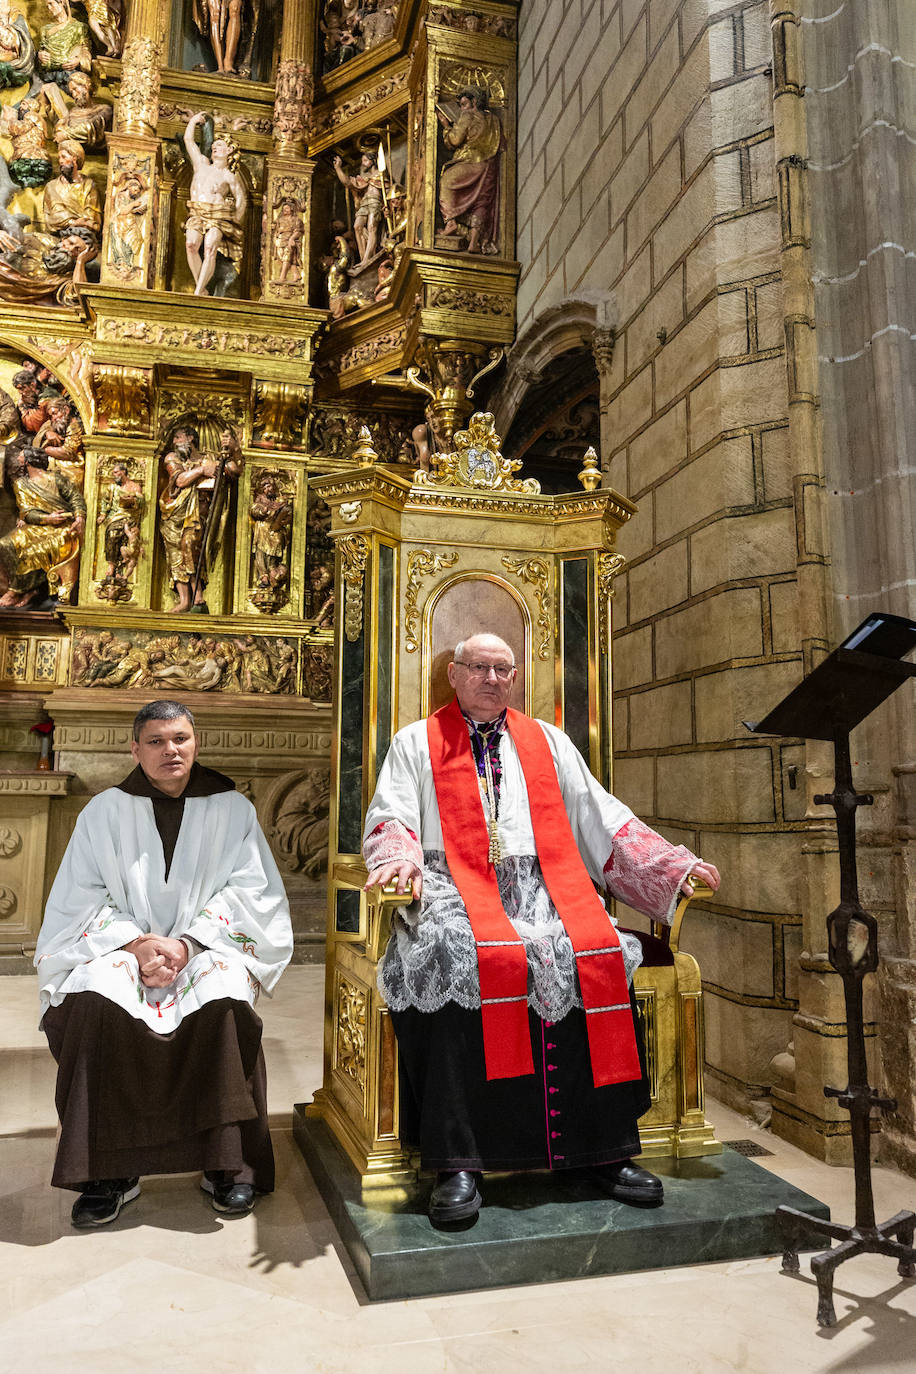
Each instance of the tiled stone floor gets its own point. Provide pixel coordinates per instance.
(169, 1287)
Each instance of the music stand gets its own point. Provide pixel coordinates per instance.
(840, 693)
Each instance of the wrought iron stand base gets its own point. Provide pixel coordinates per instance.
(855, 1240)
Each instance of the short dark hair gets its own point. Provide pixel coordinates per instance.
(160, 710)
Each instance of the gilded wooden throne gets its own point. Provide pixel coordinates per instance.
(420, 563)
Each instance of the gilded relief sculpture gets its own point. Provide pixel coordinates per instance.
(363, 259)
(367, 187)
(120, 513)
(39, 558)
(469, 180)
(17, 49)
(230, 27)
(350, 27)
(48, 265)
(217, 203)
(129, 205)
(105, 19)
(63, 45)
(271, 517)
(184, 662)
(87, 120)
(192, 510)
(26, 127)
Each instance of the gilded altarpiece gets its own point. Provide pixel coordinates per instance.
(251, 257)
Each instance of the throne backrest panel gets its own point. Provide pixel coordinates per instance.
(469, 605)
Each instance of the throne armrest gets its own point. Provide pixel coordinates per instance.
(380, 902)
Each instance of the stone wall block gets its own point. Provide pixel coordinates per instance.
(654, 83)
(631, 408)
(722, 54)
(624, 74)
(721, 627)
(663, 313)
(762, 167)
(655, 202)
(726, 699)
(687, 354)
(597, 168)
(629, 177)
(760, 871)
(660, 717)
(733, 952)
(733, 251)
(633, 658)
(748, 394)
(689, 86)
(685, 222)
(742, 546)
(734, 785)
(758, 48)
(784, 622)
(741, 110)
(659, 449)
(659, 582)
(722, 476)
(741, 1040)
(634, 784)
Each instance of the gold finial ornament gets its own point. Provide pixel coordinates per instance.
(477, 462)
(590, 476)
(364, 453)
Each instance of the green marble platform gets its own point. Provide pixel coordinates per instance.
(537, 1227)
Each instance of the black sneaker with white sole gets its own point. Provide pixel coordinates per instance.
(229, 1198)
(100, 1202)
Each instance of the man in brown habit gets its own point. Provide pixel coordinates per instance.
(165, 921)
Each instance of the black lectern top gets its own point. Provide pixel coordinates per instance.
(849, 684)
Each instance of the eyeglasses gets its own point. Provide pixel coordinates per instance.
(503, 671)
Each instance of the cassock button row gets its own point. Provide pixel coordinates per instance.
(555, 1112)
(553, 1090)
(551, 1067)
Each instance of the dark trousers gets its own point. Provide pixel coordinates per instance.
(133, 1102)
(554, 1118)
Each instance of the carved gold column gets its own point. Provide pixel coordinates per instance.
(134, 162)
(287, 199)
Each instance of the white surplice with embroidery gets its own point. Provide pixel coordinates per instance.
(224, 891)
(432, 956)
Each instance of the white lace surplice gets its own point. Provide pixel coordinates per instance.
(431, 958)
(223, 890)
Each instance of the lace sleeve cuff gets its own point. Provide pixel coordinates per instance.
(646, 872)
(392, 842)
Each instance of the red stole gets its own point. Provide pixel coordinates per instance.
(500, 953)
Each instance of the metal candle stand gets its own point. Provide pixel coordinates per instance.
(840, 693)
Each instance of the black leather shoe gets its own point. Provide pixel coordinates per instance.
(101, 1201)
(227, 1197)
(455, 1197)
(627, 1182)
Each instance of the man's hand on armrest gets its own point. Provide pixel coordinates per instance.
(707, 873)
(403, 872)
(160, 959)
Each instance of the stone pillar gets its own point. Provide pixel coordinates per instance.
(134, 162)
(285, 249)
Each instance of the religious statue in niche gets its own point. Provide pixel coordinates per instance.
(26, 126)
(17, 49)
(217, 202)
(63, 45)
(39, 558)
(364, 256)
(61, 439)
(120, 514)
(87, 120)
(287, 234)
(469, 180)
(193, 507)
(232, 28)
(319, 564)
(105, 19)
(48, 265)
(317, 671)
(129, 206)
(350, 27)
(299, 826)
(271, 517)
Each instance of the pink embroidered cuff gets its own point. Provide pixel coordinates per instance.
(646, 872)
(392, 842)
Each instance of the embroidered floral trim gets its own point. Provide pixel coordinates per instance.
(645, 871)
(392, 842)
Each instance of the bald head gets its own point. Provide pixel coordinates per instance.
(483, 675)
